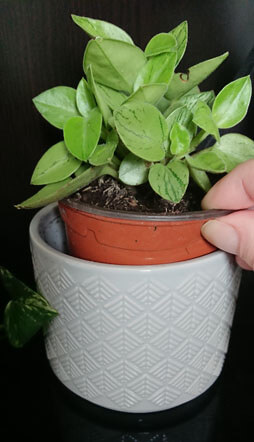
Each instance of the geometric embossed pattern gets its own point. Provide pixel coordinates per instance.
(138, 342)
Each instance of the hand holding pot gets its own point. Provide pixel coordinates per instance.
(233, 233)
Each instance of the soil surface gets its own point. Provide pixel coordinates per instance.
(108, 193)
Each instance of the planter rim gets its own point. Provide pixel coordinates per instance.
(120, 214)
(35, 236)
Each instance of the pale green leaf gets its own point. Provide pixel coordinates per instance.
(133, 170)
(102, 105)
(182, 83)
(158, 69)
(160, 44)
(171, 181)
(181, 35)
(234, 149)
(81, 169)
(183, 116)
(84, 98)
(100, 28)
(231, 104)
(148, 93)
(208, 161)
(190, 101)
(55, 165)
(110, 96)
(201, 178)
(180, 139)
(202, 116)
(143, 130)
(104, 152)
(81, 134)
(115, 63)
(57, 105)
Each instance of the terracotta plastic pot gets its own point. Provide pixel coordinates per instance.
(131, 239)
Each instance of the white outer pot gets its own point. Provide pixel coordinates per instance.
(133, 338)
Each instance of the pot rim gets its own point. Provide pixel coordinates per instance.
(145, 216)
(35, 230)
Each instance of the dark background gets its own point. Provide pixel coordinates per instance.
(41, 48)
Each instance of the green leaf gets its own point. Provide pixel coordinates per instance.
(171, 181)
(81, 135)
(201, 178)
(180, 139)
(57, 191)
(84, 98)
(133, 170)
(202, 116)
(158, 69)
(81, 169)
(181, 35)
(182, 83)
(234, 149)
(190, 101)
(183, 116)
(148, 93)
(55, 165)
(104, 152)
(26, 313)
(143, 130)
(160, 44)
(100, 28)
(57, 105)
(110, 96)
(102, 105)
(207, 160)
(231, 104)
(115, 63)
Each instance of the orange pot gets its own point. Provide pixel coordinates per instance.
(132, 239)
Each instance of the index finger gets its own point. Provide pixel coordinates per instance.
(234, 191)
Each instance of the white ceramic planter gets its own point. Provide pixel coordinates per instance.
(133, 338)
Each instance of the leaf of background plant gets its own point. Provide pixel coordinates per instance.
(26, 313)
(160, 44)
(208, 161)
(234, 149)
(81, 169)
(81, 135)
(182, 83)
(84, 98)
(57, 105)
(110, 96)
(201, 178)
(55, 165)
(104, 152)
(115, 63)
(180, 139)
(143, 130)
(181, 35)
(102, 105)
(133, 171)
(171, 181)
(231, 104)
(202, 116)
(100, 28)
(190, 101)
(158, 69)
(148, 93)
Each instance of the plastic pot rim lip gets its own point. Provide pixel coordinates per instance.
(37, 239)
(119, 214)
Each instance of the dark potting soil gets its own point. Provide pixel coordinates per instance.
(108, 193)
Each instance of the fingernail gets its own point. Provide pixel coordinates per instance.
(221, 235)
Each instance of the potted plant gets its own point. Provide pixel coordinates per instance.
(142, 326)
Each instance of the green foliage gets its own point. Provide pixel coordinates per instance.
(25, 313)
(137, 119)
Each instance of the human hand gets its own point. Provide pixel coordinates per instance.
(233, 233)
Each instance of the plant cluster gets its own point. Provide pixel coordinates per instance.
(134, 118)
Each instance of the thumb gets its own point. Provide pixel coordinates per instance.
(234, 234)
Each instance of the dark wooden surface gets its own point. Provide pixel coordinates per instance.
(40, 48)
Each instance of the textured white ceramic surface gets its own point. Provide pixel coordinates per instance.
(133, 338)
